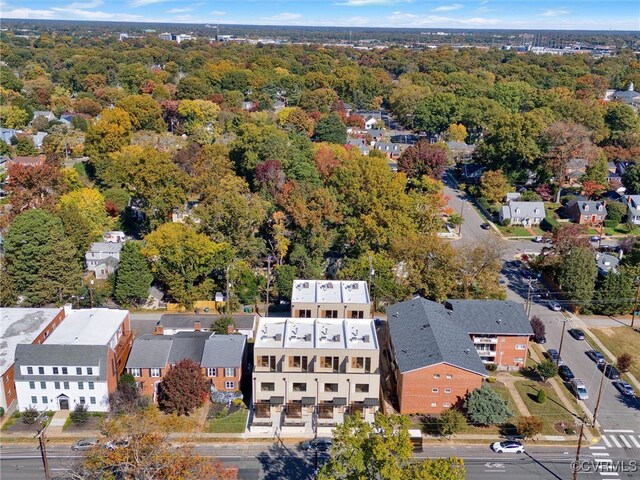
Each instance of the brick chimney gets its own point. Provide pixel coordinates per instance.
(231, 329)
(197, 325)
(159, 330)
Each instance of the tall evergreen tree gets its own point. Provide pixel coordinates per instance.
(577, 276)
(133, 276)
(40, 261)
(616, 290)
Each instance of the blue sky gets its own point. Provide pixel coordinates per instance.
(527, 14)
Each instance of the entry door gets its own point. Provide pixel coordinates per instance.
(64, 403)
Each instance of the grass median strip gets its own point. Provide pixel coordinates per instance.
(234, 423)
(620, 340)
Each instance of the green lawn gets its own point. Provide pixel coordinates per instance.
(504, 393)
(620, 340)
(514, 231)
(234, 423)
(551, 412)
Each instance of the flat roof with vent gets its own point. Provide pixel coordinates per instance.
(94, 326)
(321, 333)
(330, 291)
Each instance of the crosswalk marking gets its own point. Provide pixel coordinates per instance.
(634, 441)
(604, 439)
(624, 440)
(597, 447)
(611, 474)
(615, 441)
(617, 431)
(600, 454)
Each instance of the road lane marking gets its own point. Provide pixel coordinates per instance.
(618, 431)
(604, 439)
(614, 440)
(624, 440)
(611, 474)
(600, 454)
(599, 447)
(633, 439)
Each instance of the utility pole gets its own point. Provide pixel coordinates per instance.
(228, 288)
(371, 273)
(595, 410)
(529, 300)
(42, 441)
(577, 462)
(635, 304)
(460, 226)
(268, 281)
(564, 325)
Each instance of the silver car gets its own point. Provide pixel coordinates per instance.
(84, 444)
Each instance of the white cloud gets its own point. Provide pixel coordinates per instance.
(144, 3)
(27, 13)
(370, 3)
(285, 17)
(81, 14)
(89, 4)
(448, 8)
(555, 12)
(180, 10)
(218, 13)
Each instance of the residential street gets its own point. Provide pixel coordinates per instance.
(276, 462)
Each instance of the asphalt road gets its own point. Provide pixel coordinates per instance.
(274, 462)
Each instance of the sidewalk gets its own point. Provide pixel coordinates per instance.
(508, 380)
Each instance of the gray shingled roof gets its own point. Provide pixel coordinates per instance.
(224, 351)
(60, 355)
(150, 351)
(491, 317)
(423, 334)
(188, 345)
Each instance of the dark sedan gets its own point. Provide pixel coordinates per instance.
(576, 333)
(565, 373)
(485, 226)
(610, 371)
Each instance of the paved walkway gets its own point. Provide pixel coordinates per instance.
(57, 422)
(509, 380)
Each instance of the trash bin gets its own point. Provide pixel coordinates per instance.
(206, 309)
(247, 309)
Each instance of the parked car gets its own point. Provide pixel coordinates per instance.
(596, 357)
(115, 444)
(624, 388)
(540, 340)
(553, 355)
(576, 333)
(579, 389)
(84, 444)
(321, 444)
(565, 373)
(510, 446)
(539, 239)
(595, 238)
(555, 306)
(485, 226)
(609, 371)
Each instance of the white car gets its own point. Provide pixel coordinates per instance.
(510, 446)
(555, 306)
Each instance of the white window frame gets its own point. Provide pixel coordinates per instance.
(136, 372)
(449, 377)
(521, 346)
(434, 390)
(153, 372)
(229, 385)
(34, 399)
(212, 372)
(447, 390)
(232, 370)
(436, 375)
(434, 404)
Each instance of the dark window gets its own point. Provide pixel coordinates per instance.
(330, 387)
(30, 370)
(267, 387)
(299, 387)
(89, 371)
(362, 387)
(41, 370)
(55, 370)
(64, 370)
(78, 370)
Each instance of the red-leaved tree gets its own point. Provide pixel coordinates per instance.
(34, 187)
(271, 176)
(183, 389)
(423, 158)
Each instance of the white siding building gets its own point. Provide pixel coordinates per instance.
(330, 299)
(79, 363)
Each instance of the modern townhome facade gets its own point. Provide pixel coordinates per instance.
(78, 363)
(22, 325)
(439, 352)
(309, 373)
(221, 357)
(330, 299)
(586, 212)
(522, 213)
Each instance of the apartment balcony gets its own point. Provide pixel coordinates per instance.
(486, 353)
(122, 351)
(484, 340)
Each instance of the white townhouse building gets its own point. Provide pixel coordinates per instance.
(330, 299)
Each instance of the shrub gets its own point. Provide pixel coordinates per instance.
(548, 224)
(491, 380)
(624, 362)
(238, 402)
(566, 199)
(611, 223)
(569, 431)
(541, 398)
(529, 427)
(506, 222)
(547, 369)
(30, 415)
(492, 367)
(1, 412)
(486, 407)
(79, 416)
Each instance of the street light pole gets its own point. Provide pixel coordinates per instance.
(577, 461)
